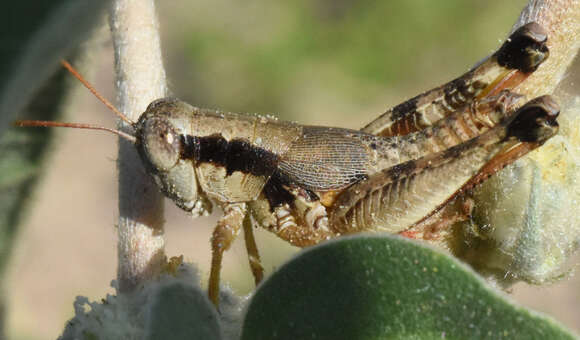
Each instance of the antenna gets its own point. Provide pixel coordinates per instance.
(76, 74)
(111, 107)
(44, 123)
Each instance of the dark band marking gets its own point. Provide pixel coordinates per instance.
(459, 84)
(403, 169)
(451, 93)
(276, 192)
(189, 147)
(405, 108)
(527, 126)
(240, 155)
(234, 155)
(516, 53)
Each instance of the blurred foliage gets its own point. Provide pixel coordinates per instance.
(33, 35)
(36, 35)
(260, 56)
(21, 155)
(22, 151)
(20, 21)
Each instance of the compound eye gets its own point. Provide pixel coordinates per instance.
(161, 143)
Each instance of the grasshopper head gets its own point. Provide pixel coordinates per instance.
(159, 133)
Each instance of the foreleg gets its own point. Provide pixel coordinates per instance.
(226, 231)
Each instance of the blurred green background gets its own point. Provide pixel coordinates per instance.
(337, 63)
(330, 62)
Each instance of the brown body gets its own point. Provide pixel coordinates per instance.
(309, 183)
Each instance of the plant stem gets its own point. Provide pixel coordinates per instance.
(140, 80)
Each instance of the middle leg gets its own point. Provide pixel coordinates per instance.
(252, 249)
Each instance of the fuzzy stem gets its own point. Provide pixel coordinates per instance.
(140, 80)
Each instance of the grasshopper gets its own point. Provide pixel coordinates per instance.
(308, 184)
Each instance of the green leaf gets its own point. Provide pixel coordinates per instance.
(374, 287)
(182, 312)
